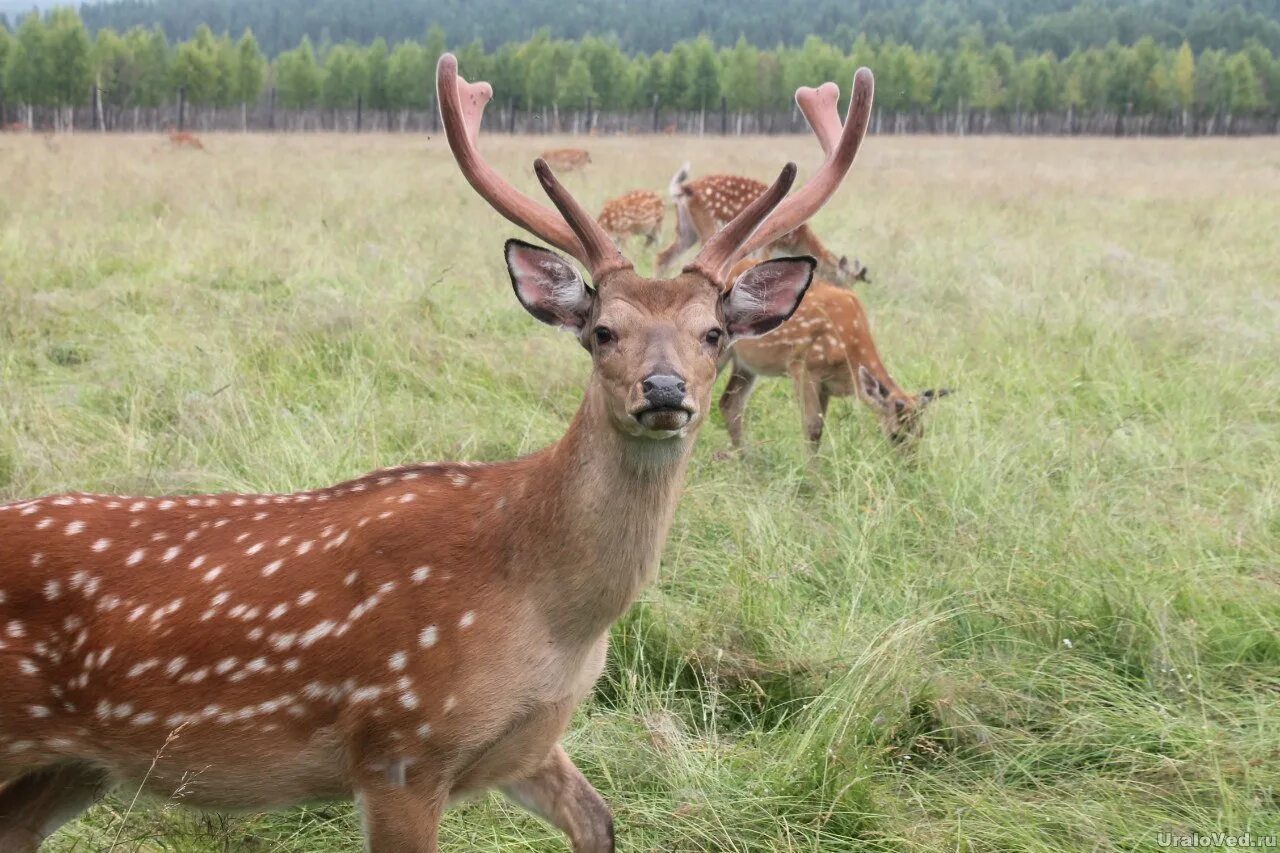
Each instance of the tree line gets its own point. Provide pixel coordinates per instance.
(50, 65)
(1033, 26)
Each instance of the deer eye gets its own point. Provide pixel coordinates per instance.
(602, 334)
(713, 337)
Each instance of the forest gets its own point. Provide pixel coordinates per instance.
(54, 62)
(1059, 26)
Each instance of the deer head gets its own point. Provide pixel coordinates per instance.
(901, 415)
(654, 343)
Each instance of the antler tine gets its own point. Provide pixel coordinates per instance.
(718, 254)
(461, 107)
(819, 108)
(602, 255)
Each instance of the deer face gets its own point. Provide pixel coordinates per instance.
(848, 272)
(655, 343)
(901, 415)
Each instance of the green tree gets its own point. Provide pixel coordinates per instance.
(377, 64)
(409, 76)
(608, 68)
(1244, 91)
(226, 60)
(677, 77)
(150, 49)
(742, 76)
(251, 69)
(1037, 83)
(435, 46)
(575, 86)
(298, 76)
(704, 89)
(70, 61)
(1184, 77)
(343, 77)
(6, 48)
(1211, 82)
(116, 71)
(26, 74)
(195, 67)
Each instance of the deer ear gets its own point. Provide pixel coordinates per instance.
(875, 390)
(764, 296)
(548, 286)
(928, 396)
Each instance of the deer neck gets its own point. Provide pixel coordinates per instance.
(808, 242)
(601, 507)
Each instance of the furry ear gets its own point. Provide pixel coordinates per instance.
(873, 388)
(548, 286)
(928, 396)
(764, 296)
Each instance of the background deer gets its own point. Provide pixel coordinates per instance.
(566, 159)
(420, 632)
(185, 139)
(636, 212)
(827, 349)
(705, 204)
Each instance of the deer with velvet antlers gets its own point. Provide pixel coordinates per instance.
(414, 635)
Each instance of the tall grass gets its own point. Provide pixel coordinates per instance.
(1055, 629)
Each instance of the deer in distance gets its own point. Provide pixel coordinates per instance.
(185, 139)
(827, 349)
(639, 212)
(705, 204)
(416, 634)
(566, 159)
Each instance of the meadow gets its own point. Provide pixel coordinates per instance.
(1056, 628)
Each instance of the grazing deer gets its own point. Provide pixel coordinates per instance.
(415, 634)
(184, 139)
(705, 204)
(636, 212)
(827, 350)
(566, 159)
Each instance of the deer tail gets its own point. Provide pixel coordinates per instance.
(676, 188)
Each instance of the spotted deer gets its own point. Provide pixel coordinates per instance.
(413, 635)
(566, 159)
(634, 213)
(705, 204)
(828, 351)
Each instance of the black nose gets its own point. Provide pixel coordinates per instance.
(663, 389)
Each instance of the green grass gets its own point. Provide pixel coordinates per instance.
(1055, 630)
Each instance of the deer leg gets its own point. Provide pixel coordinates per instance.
(34, 806)
(400, 819)
(813, 397)
(733, 403)
(558, 792)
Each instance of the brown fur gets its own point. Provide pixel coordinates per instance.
(636, 212)
(403, 638)
(271, 648)
(707, 203)
(566, 159)
(185, 140)
(828, 350)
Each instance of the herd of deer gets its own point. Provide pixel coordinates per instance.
(425, 632)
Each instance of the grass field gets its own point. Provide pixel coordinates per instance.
(1058, 629)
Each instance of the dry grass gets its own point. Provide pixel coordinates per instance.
(1057, 631)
